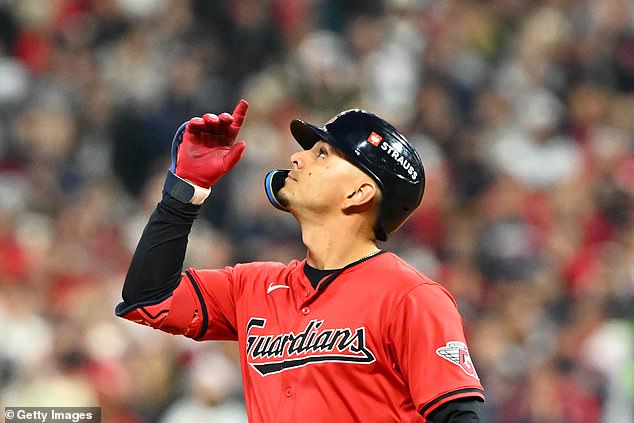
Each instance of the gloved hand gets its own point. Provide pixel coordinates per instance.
(203, 150)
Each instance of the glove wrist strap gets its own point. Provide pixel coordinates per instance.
(183, 190)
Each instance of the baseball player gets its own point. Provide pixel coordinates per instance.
(351, 333)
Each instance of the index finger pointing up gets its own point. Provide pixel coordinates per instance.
(240, 112)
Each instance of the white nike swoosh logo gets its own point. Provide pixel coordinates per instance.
(272, 287)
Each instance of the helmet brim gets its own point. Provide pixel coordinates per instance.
(307, 134)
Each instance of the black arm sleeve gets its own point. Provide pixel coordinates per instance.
(156, 266)
(465, 410)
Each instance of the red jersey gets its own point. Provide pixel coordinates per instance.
(378, 342)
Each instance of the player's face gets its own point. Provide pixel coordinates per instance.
(320, 179)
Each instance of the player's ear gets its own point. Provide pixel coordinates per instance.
(360, 197)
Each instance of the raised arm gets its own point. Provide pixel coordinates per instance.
(203, 150)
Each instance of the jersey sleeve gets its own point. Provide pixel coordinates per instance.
(427, 339)
(200, 307)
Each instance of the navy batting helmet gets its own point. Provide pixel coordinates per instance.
(378, 149)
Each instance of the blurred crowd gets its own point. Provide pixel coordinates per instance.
(522, 110)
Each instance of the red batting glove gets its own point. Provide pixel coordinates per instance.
(203, 150)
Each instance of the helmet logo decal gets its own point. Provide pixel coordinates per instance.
(375, 139)
(400, 159)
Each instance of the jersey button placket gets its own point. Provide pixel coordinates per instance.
(305, 311)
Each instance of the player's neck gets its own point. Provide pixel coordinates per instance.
(336, 248)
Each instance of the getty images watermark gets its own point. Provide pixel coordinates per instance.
(52, 414)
